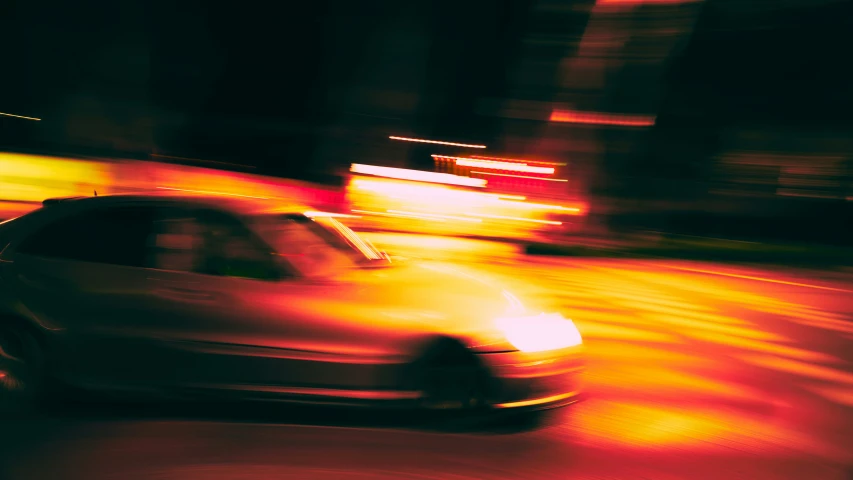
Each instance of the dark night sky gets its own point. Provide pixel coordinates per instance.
(774, 67)
(243, 79)
(270, 83)
(771, 65)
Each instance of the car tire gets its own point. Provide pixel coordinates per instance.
(451, 379)
(23, 379)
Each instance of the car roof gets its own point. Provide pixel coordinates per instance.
(246, 205)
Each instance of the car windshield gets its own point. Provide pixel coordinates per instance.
(316, 247)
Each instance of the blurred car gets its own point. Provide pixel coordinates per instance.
(186, 296)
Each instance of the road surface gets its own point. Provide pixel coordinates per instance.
(695, 371)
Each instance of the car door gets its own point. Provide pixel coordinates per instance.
(83, 276)
(221, 298)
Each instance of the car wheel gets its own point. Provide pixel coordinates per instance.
(453, 380)
(22, 361)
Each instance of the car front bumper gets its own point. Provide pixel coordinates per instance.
(535, 381)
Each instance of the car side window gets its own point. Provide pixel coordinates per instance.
(231, 249)
(112, 235)
(176, 242)
(212, 243)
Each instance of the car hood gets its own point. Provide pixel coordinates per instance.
(429, 296)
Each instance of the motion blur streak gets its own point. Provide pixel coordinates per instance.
(597, 118)
(760, 279)
(509, 216)
(314, 214)
(545, 206)
(436, 142)
(517, 219)
(26, 180)
(453, 197)
(523, 176)
(430, 192)
(667, 399)
(497, 165)
(537, 401)
(433, 215)
(417, 175)
(20, 116)
(505, 166)
(516, 160)
(398, 215)
(208, 192)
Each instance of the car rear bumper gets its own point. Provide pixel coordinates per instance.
(535, 380)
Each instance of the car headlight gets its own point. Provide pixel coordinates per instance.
(540, 333)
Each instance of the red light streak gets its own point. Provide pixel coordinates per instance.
(436, 142)
(597, 118)
(522, 176)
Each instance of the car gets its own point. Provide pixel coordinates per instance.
(197, 295)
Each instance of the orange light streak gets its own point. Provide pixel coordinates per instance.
(522, 176)
(537, 401)
(436, 142)
(396, 215)
(757, 279)
(517, 219)
(210, 192)
(545, 206)
(597, 118)
(417, 175)
(20, 116)
(435, 215)
(433, 193)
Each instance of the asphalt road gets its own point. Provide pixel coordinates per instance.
(695, 371)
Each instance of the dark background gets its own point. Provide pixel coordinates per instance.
(250, 82)
(303, 89)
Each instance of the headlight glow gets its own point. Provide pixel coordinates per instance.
(540, 333)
